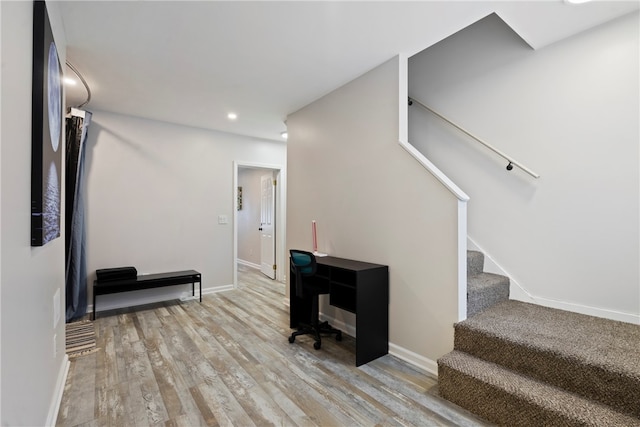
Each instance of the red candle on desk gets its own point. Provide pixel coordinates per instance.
(315, 237)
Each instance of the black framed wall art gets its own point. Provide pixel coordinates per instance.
(46, 131)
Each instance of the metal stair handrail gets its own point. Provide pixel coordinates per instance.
(511, 161)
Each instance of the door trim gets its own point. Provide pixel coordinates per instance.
(281, 216)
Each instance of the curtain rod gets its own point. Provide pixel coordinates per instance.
(86, 86)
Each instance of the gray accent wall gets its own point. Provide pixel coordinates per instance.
(374, 202)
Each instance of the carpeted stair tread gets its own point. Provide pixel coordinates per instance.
(590, 356)
(475, 263)
(484, 281)
(507, 398)
(485, 290)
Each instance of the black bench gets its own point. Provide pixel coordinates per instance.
(146, 281)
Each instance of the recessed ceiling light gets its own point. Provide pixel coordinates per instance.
(232, 116)
(576, 1)
(284, 134)
(69, 81)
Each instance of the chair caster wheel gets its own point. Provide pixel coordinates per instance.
(316, 345)
(339, 336)
(292, 339)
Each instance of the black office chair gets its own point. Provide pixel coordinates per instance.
(303, 267)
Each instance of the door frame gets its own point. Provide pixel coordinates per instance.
(281, 216)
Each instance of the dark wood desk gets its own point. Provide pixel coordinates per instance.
(146, 281)
(361, 288)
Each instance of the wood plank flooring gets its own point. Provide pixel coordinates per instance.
(227, 362)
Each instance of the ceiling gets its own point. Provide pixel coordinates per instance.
(192, 63)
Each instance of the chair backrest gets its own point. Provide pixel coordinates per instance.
(302, 264)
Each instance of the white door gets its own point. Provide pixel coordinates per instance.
(267, 227)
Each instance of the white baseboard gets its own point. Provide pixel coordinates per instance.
(216, 289)
(583, 309)
(520, 293)
(249, 264)
(425, 364)
(54, 407)
(420, 362)
(339, 324)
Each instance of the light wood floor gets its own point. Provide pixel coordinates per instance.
(226, 361)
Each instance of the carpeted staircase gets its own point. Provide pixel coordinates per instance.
(483, 289)
(520, 364)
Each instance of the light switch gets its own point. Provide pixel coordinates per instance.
(222, 219)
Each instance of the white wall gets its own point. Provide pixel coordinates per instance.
(373, 202)
(32, 377)
(568, 111)
(249, 216)
(154, 194)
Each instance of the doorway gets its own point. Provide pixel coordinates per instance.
(259, 219)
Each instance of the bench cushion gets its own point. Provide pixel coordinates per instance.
(118, 273)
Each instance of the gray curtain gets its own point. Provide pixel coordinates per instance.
(76, 264)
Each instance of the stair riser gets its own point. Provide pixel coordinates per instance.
(593, 382)
(480, 300)
(475, 263)
(483, 289)
(497, 405)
